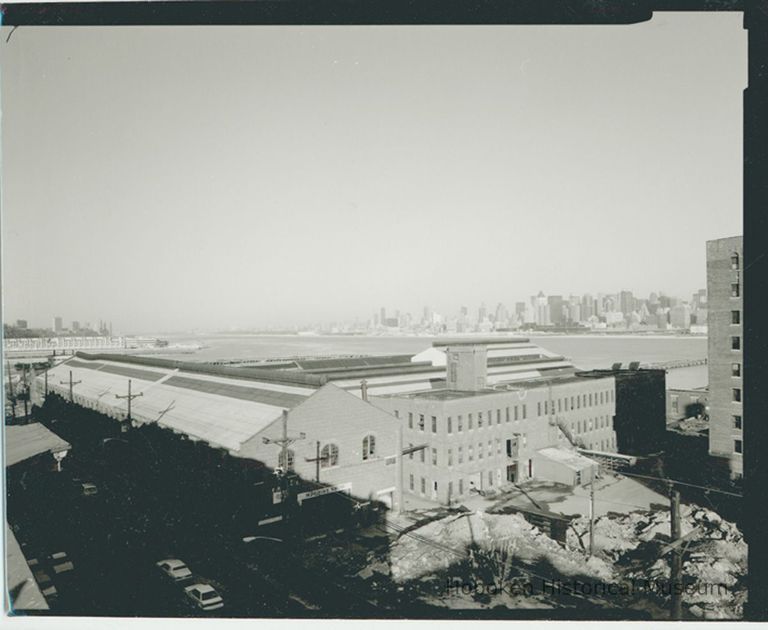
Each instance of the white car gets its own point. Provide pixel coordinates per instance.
(175, 569)
(204, 596)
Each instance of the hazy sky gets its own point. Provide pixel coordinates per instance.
(172, 178)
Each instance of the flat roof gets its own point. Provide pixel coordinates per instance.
(24, 441)
(21, 585)
(452, 394)
(572, 460)
(478, 341)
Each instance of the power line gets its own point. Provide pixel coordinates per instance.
(681, 483)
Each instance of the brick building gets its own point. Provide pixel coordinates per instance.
(478, 436)
(725, 350)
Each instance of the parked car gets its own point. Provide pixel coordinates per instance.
(175, 569)
(89, 489)
(204, 596)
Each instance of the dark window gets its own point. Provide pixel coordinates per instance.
(735, 289)
(735, 317)
(479, 419)
(410, 481)
(449, 426)
(736, 394)
(289, 456)
(421, 422)
(369, 446)
(736, 422)
(434, 424)
(410, 420)
(329, 456)
(735, 343)
(735, 369)
(738, 446)
(434, 457)
(734, 261)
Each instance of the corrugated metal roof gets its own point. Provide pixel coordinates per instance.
(147, 375)
(23, 441)
(225, 412)
(266, 396)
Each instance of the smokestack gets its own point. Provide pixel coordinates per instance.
(364, 389)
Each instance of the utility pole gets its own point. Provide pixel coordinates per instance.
(130, 397)
(26, 390)
(71, 385)
(592, 518)
(11, 397)
(317, 459)
(284, 442)
(676, 574)
(399, 485)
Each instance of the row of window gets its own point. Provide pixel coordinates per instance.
(329, 454)
(461, 485)
(493, 447)
(518, 412)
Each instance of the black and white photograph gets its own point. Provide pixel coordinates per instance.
(376, 321)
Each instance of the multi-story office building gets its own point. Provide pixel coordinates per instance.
(626, 302)
(556, 312)
(680, 316)
(725, 349)
(541, 314)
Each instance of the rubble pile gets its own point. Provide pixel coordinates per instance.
(437, 545)
(714, 563)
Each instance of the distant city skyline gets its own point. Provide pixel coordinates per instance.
(73, 325)
(334, 168)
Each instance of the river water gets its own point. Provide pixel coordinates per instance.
(586, 351)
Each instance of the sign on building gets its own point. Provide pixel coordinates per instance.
(311, 494)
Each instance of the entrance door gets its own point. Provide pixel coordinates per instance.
(512, 473)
